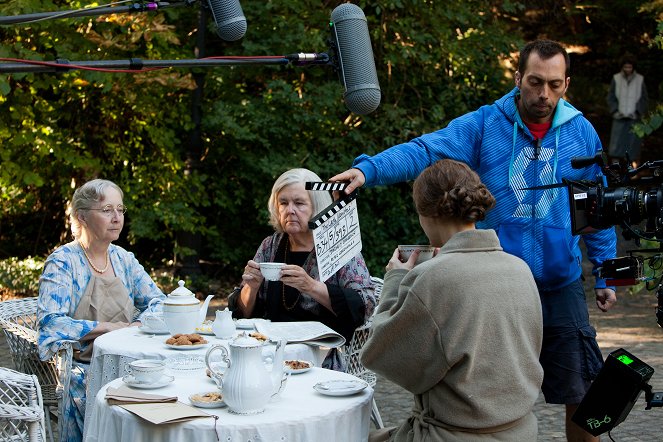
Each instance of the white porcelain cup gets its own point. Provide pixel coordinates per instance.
(154, 322)
(425, 252)
(146, 370)
(271, 270)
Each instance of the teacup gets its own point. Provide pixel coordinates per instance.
(154, 322)
(146, 370)
(425, 252)
(271, 270)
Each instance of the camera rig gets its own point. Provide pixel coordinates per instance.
(625, 197)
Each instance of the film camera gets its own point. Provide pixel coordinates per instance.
(628, 198)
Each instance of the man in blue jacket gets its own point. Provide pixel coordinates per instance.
(527, 139)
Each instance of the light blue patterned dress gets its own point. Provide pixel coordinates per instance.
(61, 286)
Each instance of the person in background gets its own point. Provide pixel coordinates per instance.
(473, 315)
(627, 102)
(524, 140)
(343, 302)
(89, 287)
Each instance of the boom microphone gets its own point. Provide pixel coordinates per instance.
(354, 57)
(229, 19)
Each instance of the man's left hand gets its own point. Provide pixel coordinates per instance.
(605, 299)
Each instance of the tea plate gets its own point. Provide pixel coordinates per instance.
(162, 382)
(290, 370)
(145, 329)
(340, 387)
(185, 347)
(205, 404)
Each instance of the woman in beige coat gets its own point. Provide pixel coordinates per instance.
(461, 331)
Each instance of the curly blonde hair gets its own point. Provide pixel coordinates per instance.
(450, 189)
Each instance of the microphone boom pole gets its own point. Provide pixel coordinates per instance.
(135, 64)
(135, 7)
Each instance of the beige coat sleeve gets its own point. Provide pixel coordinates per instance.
(405, 345)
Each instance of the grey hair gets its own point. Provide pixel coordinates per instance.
(84, 198)
(319, 199)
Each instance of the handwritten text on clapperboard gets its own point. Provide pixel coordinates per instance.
(337, 240)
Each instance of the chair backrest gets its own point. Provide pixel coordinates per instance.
(18, 319)
(352, 349)
(21, 407)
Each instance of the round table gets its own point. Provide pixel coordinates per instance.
(113, 350)
(299, 414)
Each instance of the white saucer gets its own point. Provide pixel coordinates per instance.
(298, 370)
(165, 380)
(185, 347)
(145, 329)
(340, 387)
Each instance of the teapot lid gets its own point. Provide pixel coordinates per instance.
(181, 295)
(243, 340)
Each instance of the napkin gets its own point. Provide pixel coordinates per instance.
(125, 395)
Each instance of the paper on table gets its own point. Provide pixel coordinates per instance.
(165, 413)
(310, 332)
(125, 395)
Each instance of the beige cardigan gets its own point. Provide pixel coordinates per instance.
(463, 333)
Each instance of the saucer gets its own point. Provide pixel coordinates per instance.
(145, 329)
(132, 382)
(245, 324)
(340, 387)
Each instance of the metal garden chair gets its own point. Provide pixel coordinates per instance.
(18, 319)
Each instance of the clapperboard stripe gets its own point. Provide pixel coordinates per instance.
(313, 185)
(330, 210)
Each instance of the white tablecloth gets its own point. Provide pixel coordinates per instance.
(112, 351)
(300, 414)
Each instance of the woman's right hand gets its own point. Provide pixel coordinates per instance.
(252, 275)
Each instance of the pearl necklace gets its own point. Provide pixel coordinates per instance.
(94, 267)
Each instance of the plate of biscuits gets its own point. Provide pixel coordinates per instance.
(212, 399)
(294, 366)
(184, 341)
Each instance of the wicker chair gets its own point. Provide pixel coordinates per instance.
(21, 407)
(18, 319)
(351, 352)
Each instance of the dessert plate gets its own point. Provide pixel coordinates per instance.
(207, 400)
(293, 366)
(340, 387)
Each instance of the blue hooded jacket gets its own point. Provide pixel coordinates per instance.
(532, 224)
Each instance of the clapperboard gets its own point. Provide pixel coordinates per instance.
(335, 230)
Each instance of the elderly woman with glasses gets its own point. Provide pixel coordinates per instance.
(89, 287)
(342, 302)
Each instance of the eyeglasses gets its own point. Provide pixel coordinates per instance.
(109, 210)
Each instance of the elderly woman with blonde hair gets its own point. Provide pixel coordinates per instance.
(343, 302)
(89, 287)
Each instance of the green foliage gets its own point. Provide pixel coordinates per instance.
(21, 276)
(212, 177)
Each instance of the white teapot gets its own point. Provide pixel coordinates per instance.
(182, 312)
(247, 384)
